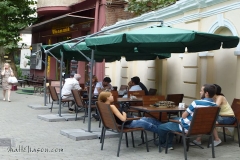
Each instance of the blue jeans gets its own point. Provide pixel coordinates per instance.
(149, 124)
(226, 120)
(164, 130)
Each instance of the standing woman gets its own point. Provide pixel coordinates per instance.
(6, 73)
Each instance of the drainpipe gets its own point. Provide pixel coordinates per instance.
(96, 16)
(96, 28)
(100, 66)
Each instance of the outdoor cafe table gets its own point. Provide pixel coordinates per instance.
(148, 109)
(129, 100)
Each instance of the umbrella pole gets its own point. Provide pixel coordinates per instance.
(60, 97)
(45, 80)
(90, 93)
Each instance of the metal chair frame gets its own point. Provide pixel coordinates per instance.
(109, 123)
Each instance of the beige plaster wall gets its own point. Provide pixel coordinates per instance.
(187, 74)
(221, 68)
(174, 74)
(122, 71)
(224, 67)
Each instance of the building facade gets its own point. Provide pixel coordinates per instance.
(62, 20)
(186, 73)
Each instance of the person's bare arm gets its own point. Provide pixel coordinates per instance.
(103, 89)
(129, 85)
(219, 100)
(100, 90)
(185, 114)
(115, 111)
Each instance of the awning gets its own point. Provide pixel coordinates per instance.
(64, 20)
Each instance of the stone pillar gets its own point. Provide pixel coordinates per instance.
(237, 53)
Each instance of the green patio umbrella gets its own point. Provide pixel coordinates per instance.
(130, 56)
(69, 52)
(161, 40)
(99, 56)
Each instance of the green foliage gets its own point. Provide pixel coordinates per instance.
(19, 71)
(16, 59)
(28, 57)
(142, 6)
(15, 16)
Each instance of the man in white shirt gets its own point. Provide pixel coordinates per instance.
(133, 85)
(70, 83)
(102, 86)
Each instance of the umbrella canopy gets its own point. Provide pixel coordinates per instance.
(161, 40)
(69, 53)
(99, 56)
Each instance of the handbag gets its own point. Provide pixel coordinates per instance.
(12, 80)
(124, 107)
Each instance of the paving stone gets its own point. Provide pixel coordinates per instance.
(5, 142)
(66, 132)
(108, 134)
(77, 136)
(42, 107)
(71, 117)
(26, 129)
(51, 118)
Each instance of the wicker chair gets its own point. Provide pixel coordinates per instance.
(236, 110)
(109, 123)
(55, 98)
(203, 115)
(152, 92)
(79, 103)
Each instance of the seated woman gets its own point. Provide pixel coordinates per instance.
(94, 82)
(149, 124)
(226, 115)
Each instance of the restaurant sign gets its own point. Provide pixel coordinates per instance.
(60, 30)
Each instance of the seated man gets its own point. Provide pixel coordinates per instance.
(207, 93)
(101, 86)
(70, 83)
(141, 85)
(133, 85)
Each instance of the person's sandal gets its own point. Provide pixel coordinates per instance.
(216, 143)
(70, 110)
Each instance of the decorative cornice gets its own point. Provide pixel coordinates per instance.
(179, 8)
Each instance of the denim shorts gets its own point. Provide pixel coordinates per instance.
(226, 120)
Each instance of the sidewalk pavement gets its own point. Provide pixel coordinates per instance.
(29, 135)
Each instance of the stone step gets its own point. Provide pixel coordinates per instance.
(57, 118)
(82, 134)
